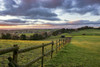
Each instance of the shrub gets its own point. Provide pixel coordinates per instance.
(23, 37)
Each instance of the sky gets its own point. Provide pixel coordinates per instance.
(49, 14)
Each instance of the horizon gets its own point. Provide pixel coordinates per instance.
(47, 28)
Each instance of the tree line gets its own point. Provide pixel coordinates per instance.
(42, 36)
(35, 36)
(63, 30)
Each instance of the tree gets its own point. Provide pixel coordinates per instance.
(23, 37)
(3, 36)
(63, 30)
(45, 34)
(15, 37)
(36, 37)
(85, 27)
(8, 36)
(55, 33)
(40, 37)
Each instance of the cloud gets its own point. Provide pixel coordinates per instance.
(52, 3)
(44, 7)
(45, 10)
(28, 8)
(78, 22)
(83, 22)
(15, 21)
(82, 6)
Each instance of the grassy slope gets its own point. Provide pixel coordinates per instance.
(23, 58)
(27, 34)
(82, 52)
(88, 32)
(20, 43)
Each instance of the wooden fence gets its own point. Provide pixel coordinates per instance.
(15, 49)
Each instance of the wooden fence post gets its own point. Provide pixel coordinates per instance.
(70, 39)
(59, 44)
(52, 49)
(66, 40)
(15, 54)
(56, 46)
(63, 42)
(12, 63)
(42, 60)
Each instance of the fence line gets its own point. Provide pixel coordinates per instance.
(15, 49)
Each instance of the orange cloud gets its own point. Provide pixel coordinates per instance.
(37, 26)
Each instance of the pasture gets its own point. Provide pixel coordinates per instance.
(24, 57)
(83, 51)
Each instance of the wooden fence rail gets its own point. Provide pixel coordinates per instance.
(15, 49)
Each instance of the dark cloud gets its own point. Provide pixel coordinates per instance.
(84, 3)
(28, 8)
(82, 22)
(40, 12)
(15, 21)
(52, 3)
(82, 6)
(44, 7)
(44, 18)
(9, 4)
(79, 22)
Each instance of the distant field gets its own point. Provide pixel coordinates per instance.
(89, 32)
(27, 34)
(20, 43)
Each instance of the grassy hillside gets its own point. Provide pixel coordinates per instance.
(20, 43)
(92, 32)
(89, 32)
(24, 57)
(81, 52)
(27, 34)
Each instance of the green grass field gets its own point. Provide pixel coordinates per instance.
(24, 57)
(27, 34)
(83, 51)
(89, 32)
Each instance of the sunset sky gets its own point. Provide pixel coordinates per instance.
(44, 14)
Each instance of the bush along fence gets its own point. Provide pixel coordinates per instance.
(15, 49)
